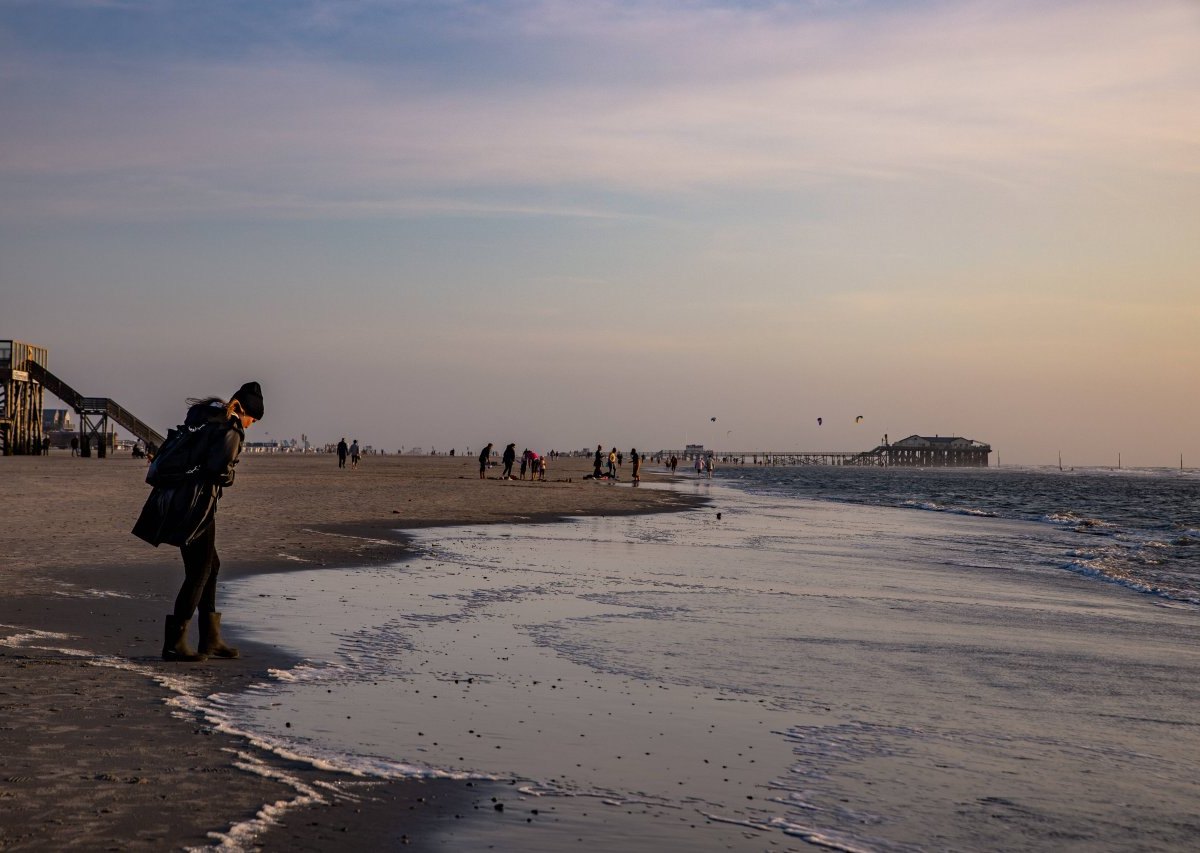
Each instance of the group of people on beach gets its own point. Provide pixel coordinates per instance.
(614, 460)
(533, 464)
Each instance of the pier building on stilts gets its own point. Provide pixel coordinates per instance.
(24, 380)
(916, 451)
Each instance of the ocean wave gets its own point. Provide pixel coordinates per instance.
(308, 672)
(1112, 568)
(1080, 523)
(934, 506)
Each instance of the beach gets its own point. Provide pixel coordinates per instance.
(690, 665)
(99, 752)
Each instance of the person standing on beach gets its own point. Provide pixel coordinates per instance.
(598, 462)
(354, 453)
(483, 461)
(184, 513)
(636, 462)
(342, 450)
(509, 457)
(612, 463)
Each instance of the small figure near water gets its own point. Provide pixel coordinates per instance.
(483, 461)
(354, 453)
(509, 457)
(636, 461)
(598, 462)
(188, 480)
(343, 450)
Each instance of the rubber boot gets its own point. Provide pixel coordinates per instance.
(175, 645)
(210, 637)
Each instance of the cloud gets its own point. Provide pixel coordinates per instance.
(625, 99)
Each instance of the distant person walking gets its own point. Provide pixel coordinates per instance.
(343, 450)
(674, 462)
(483, 461)
(699, 464)
(182, 511)
(46, 446)
(636, 461)
(598, 462)
(74, 445)
(612, 462)
(509, 457)
(354, 453)
(712, 465)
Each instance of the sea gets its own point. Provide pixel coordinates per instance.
(820, 657)
(1138, 527)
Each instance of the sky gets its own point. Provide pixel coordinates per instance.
(559, 224)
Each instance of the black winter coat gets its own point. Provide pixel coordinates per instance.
(179, 514)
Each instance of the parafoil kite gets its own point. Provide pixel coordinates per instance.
(858, 420)
(714, 420)
(820, 421)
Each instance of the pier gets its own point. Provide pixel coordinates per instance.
(916, 451)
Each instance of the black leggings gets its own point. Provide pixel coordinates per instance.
(200, 566)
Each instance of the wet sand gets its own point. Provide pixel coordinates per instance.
(100, 748)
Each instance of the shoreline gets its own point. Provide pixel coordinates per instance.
(95, 738)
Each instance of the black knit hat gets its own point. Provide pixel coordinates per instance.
(250, 396)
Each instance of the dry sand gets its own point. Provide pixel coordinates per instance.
(98, 752)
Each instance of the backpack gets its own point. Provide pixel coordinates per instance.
(181, 457)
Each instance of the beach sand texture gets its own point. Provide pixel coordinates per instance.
(93, 755)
